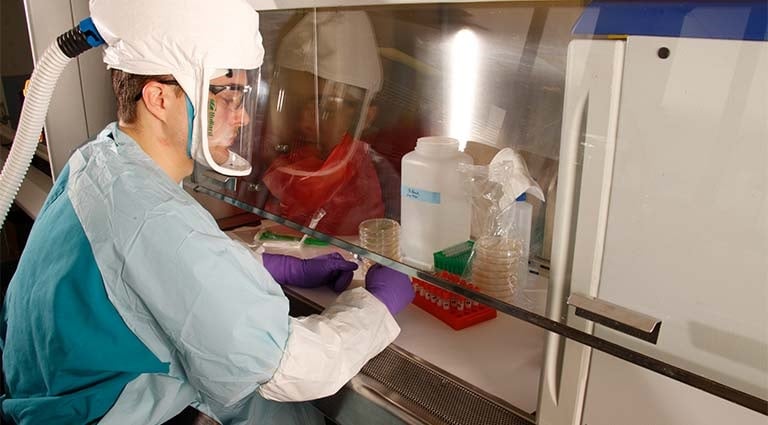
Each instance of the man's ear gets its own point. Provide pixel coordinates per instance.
(155, 98)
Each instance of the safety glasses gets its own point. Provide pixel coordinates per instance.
(231, 96)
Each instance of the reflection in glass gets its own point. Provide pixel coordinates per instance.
(463, 73)
(327, 72)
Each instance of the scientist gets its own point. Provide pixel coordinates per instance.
(320, 106)
(129, 304)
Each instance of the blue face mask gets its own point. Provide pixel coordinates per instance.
(190, 118)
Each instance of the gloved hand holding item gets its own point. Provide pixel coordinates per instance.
(389, 286)
(329, 269)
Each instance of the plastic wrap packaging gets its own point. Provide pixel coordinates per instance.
(501, 225)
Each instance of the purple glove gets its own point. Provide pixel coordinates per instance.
(329, 269)
(390, 286)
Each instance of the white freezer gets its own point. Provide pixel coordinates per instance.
(671, 221)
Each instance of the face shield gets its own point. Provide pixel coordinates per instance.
(307, 111)
(227, 144)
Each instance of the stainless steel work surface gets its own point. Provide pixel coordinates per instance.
(501, 357)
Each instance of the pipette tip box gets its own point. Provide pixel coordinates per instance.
(454, 259)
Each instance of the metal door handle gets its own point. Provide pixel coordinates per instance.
(616, 317)
(560, 251)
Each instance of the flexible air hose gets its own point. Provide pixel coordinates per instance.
(31, 123)
(41, 86)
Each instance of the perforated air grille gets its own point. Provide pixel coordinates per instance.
(443, 398)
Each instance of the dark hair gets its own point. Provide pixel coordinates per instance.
(127, 88)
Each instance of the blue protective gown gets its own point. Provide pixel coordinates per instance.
(129, 304)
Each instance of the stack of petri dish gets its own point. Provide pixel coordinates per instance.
(496, 265)
(382, 236)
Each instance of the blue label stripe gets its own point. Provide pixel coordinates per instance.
(729, 20)
(420, 195)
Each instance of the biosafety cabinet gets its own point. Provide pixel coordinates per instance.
(643, 124)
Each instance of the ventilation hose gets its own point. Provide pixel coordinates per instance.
(42, 83)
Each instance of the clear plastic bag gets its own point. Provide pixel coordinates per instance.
(484, 196)
(498, 264)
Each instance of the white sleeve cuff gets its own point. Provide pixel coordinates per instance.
(324, 351)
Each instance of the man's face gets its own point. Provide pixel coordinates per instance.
(306, 110)
(227, 113)
(325, 119)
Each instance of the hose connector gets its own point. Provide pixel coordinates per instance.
(79, 39)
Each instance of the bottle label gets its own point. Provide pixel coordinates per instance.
(420, 195)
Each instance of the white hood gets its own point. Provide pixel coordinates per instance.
(188, 39)
(346, 49)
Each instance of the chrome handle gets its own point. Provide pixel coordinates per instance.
(562, 233)
(616, 317)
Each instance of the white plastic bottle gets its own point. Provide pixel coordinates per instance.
(435, 210)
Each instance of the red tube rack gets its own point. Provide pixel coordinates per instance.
(455, 310)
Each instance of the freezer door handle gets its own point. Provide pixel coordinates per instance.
(616, 317)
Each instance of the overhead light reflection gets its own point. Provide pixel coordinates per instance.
(463, 81)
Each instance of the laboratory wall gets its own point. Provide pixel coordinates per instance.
(83, 102)
(15, 60)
